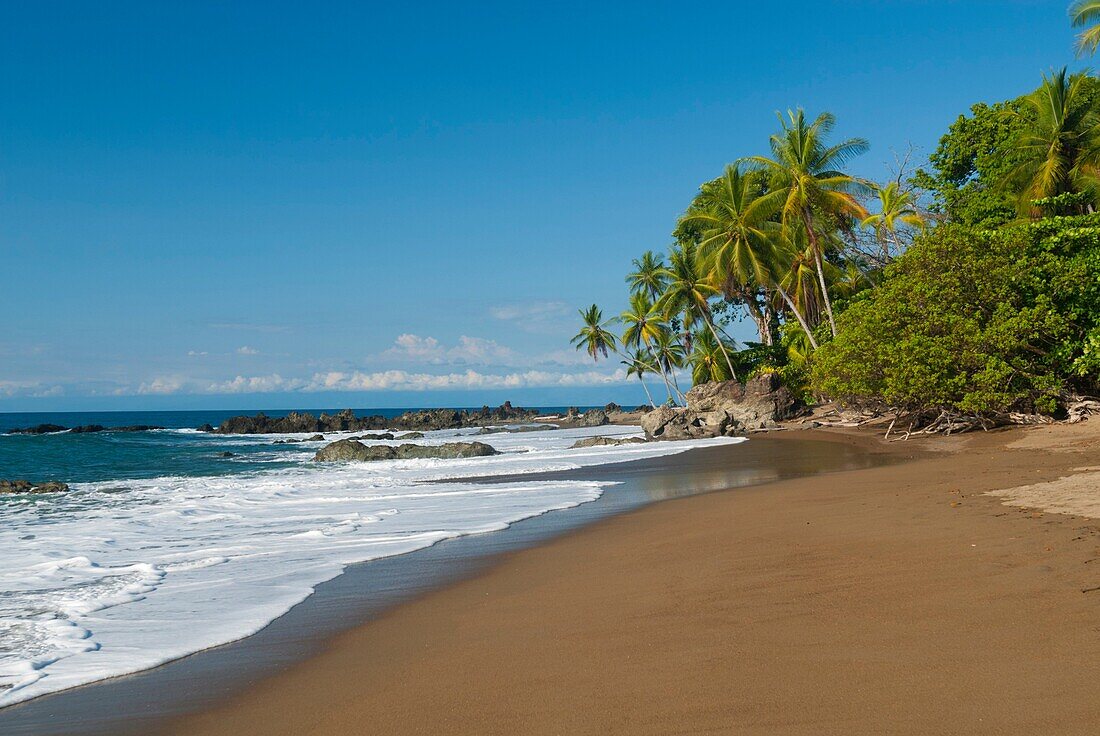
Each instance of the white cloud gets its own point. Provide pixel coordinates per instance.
(246, 350)
(546, 317)
(162, 385)
(196, 353)
(35, 389)
(409, 348)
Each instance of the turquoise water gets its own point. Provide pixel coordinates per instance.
(89, 457)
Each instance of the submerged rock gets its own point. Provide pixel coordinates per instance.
(412, 436)
(606, 441)
(316, 438)
(39, 429)
(353, 450)
(84, 429)
(24, 486)
(227, 453)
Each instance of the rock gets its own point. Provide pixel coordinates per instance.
(227, 453)
(383, 436)
(352, 450)
(39, 429)
(23, 486)
(606, 441)
(316, 438)
(206, 428)
(346, 421)
(411, 436)
(594, 418)
(612, 408)
(515, 430)
(723, 409)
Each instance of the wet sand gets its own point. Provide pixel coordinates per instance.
(895, 599)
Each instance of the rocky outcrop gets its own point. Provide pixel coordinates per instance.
(346, 421)
(723, 409)
(84, 429)
(353, 450)
(606, 442)
(24, 486)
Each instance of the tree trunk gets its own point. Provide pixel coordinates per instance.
(814, 245)
(721, 345)
(797, 315)
(760, 317)
(647, 394)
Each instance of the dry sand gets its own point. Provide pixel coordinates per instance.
(892, 600)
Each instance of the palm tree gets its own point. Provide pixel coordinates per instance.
(638, 364)
(898, 208)
(1086, 13)
(594, 337)
(669, 355)
(795, 282)
(808, 172)
(648, 275)
(706, 360)
(734, 218)
(644, 325)
(688, 291)
(1060, 142)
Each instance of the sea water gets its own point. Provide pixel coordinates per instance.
(164, 547)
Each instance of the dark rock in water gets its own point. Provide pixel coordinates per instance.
(206, 428)
(39, 429)
(227, 453)
(353, 450)
(346, 421)
(723, 409)
(411, 436)
(612, 407)
(23, 486)
(316, 438)
(606, 441)
(383, 436)
(85, 429)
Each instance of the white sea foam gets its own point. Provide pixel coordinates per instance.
(120, 576)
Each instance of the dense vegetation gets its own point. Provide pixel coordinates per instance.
(971, 287)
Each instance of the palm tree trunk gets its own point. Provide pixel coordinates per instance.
(647, 394)
(763, 328)
(721, 345)
(806, 219)
(798, 315)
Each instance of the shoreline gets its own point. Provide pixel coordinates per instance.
(896, 598)
(366, 590)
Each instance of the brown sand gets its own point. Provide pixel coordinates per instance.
(893, 600)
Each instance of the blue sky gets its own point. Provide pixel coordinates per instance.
(279, 205)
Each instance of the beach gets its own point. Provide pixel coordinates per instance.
(891, 599)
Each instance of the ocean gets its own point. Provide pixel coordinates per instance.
(166, 545)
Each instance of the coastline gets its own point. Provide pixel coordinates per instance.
(896, 598)
(132, 703)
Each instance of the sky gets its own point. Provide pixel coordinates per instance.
(279, 205)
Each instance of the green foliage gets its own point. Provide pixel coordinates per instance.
(974, 321)
(976, 154)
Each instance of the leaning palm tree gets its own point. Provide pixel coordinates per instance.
(594, 338)
(669, 355)
(808, 172)
(644, 324)
(1086, 14)
(735, 221)
(795, 274)
(898, 209)
(689, 291)
(707, 365)
(638, 364)
(1060, 141)
(648, 275)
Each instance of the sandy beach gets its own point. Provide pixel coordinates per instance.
(900, 599)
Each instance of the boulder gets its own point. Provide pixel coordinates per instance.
(316, 438)
(24, 486)
(723, 409)
(411, 436)
(606, 442)
(384, 436)
(353, 450)
(594, 418)
(39, 429)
